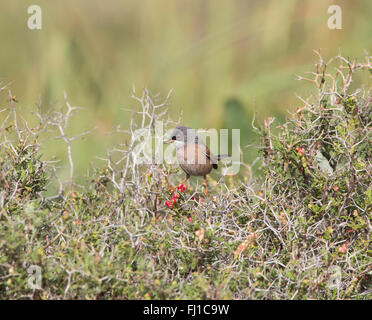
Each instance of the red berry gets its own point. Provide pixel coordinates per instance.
(181, 187)
(300, 150)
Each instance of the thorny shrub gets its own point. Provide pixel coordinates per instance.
(303, 232)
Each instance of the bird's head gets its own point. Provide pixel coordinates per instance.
(182, 135)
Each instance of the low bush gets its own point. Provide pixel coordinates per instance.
(300, 232)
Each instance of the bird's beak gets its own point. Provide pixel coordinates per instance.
(168, 141)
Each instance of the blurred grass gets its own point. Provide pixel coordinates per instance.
(209, 52)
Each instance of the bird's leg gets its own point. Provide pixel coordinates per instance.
(206, 186)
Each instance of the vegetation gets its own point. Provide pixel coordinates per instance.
(300, 232)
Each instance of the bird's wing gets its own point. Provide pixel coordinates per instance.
(205, 151)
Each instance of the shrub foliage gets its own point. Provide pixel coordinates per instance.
(301, 232)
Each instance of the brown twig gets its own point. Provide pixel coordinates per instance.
(54, 239)
(12, 100)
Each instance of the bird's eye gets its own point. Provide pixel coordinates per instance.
(174, 138)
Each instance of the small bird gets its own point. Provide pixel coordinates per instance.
(193, 155)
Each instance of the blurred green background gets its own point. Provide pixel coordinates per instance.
(224, 60)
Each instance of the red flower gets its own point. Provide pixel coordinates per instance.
(190, 218)
(169, 204)
(300, 150)
(181, 187)
(344, 247)
(173, 200)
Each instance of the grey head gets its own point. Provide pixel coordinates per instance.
(182, 135)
